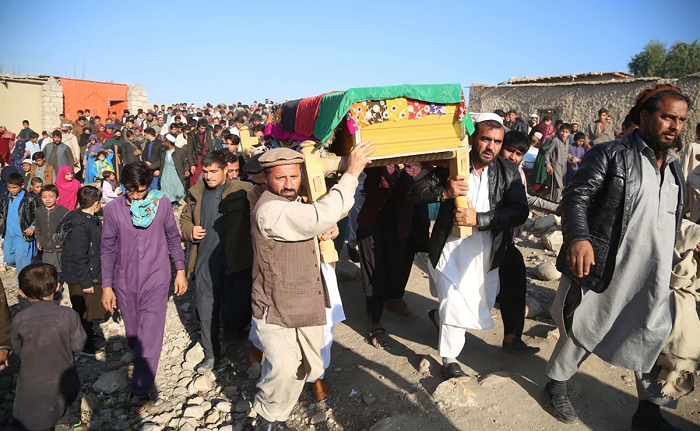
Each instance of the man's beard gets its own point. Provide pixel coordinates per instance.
(656, 142)
(483, 161)
(288, 197)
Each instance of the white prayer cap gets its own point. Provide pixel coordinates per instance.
(27, 161)
(534, 116)
(537, 135)
(486, 116)
(170, 138)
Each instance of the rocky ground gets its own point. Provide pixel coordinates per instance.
(398, 389)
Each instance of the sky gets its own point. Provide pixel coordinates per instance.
(230, 51)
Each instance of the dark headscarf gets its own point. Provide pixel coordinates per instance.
(84, 138)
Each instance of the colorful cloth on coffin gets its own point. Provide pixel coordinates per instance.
(369, 112)
(334, 107)
(418, 109)
(275, 130)
(275, 116)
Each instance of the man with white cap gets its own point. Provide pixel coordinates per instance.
(464, 271)
(289, 299)
(534, 119)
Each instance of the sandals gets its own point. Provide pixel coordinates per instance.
(376, 339)
(138, 405)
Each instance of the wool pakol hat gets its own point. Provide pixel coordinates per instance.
(648, 94)
(280, 156)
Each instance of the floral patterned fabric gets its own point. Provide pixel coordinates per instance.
(369, 112)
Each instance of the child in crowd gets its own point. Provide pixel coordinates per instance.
(110, 187)
(26, 173)
(556, 157)
(45, 336)
(576, 152)
(45, 139)
(80, 231)
(68, 188)
(18, 210)
(41, 169)
(216, 138)
(32, 146)
(48, 216)
(35, 186)
(102, 164)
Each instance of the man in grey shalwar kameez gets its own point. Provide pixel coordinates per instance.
(620, 216)
(556, 157)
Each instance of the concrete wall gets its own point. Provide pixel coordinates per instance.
(52, 95)
(21, 101)
(136, 98)
(580, 102)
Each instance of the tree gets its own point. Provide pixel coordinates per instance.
(650, 61)
(656, 61)
(683, 59)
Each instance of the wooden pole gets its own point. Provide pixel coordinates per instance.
(459, 165)
(315, 183)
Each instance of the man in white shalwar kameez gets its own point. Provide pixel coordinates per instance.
(464, 271)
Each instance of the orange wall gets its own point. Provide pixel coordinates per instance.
(92, 95)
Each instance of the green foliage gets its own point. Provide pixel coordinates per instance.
(656, 61)
(650, 61)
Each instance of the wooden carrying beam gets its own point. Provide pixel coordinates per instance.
(315, 183)
(459, 165)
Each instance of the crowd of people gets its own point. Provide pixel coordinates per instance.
(80, 205)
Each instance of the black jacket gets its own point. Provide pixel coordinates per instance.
(27, 213)
(81, 235)
(596, 206)
(519, 125)
(193, 150)
(156, 153)
(508, 207)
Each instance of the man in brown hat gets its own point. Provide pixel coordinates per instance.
(620, 217)
(289, 298)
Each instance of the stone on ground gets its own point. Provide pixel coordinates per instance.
(533, 308)
(254, 371)
(89, 403)
(495, 379)
(195, 355)
(193, 412)
(547, 271)
(553, 240)
(453, 393)
(242, 406)
(545, 222)
(111, 382)
(319, 418)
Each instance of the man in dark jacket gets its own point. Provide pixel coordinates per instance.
(152, 154)
(80, 232)
(464, 271)
(618, 281)
(199, 143)
(513, 122)
(216, 220)
(131, 150)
